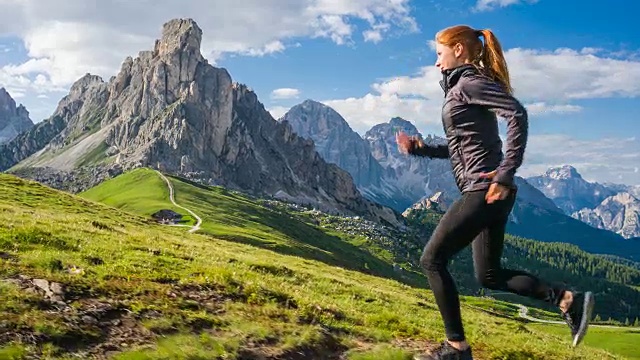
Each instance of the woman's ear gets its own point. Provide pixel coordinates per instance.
(458, 49)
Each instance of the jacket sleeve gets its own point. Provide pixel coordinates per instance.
(432, 151)
(479, 90)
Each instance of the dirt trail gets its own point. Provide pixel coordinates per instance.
(524, 313)
(195, 227)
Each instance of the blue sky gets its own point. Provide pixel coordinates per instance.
(575, 64)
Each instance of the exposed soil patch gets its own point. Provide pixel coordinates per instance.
(328, 348)
(91, 328)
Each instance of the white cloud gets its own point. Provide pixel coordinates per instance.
(605, 159)
(285, 93)
(547, 82)
(485, 5)
(542, 108)
(375, 34)
(66, 39)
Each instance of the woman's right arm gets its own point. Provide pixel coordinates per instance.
(419, 148)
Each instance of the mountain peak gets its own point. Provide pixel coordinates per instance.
(84, 82)
(563, 172)
(311, 110)
(315, 105)
(312, 102)
(179, 35)
(398, 121)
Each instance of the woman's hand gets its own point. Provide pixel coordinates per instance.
(496, 191)
(405, 142)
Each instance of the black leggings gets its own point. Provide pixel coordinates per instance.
(471, 220)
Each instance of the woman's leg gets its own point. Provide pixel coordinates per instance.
(487, 252)
(576, 307)
(462, 222)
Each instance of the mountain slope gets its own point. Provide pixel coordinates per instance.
(614, 281)
(544, 225)
(631, 189)
(169, 109)
(13, 120)
(135, 289)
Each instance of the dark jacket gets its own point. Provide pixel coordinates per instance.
(469, 120)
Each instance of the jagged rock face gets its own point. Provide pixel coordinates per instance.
(13, 120)
(335, 141)
(416, 177)
(168, 108)
(570, 192)
(170, 105)
(619, 213)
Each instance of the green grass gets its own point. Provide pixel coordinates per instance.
(620, 341)
(254, 283)
(230, 216)
(141, 192)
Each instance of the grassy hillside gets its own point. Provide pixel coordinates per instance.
(623, 342)
(120, 285)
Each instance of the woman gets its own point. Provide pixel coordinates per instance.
(478, 89)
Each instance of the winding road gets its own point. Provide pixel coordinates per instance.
(195, 227)
(523, 312)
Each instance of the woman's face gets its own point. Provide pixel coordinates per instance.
(448, 57)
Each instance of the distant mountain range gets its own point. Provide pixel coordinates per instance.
(611, 207)
(548, 207)
(170, 109)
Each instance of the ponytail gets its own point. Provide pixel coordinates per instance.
(493, 60)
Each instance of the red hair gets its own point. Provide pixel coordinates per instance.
(488, 56)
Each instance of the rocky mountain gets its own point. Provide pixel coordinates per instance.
(613, 207)
(385, 175)
(337, 143)
(568, 190)
(619, 213)
(415, 177)
(13, 119)
(170, 109)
